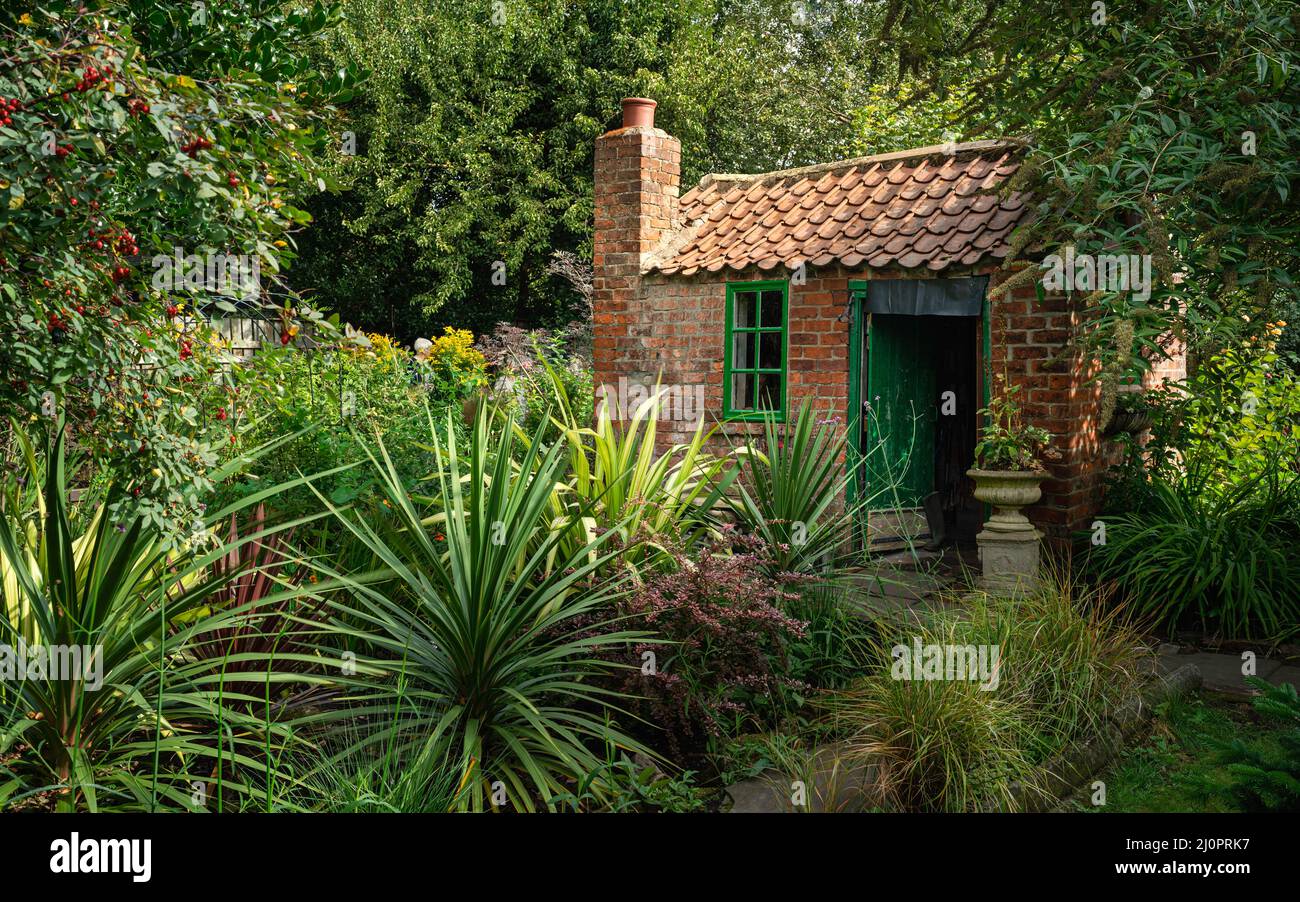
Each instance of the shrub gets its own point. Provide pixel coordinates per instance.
(160, 719)
(1236, 419)
(134, 129)
(452, 368)
(540, 367)
(1232, 422)
(324, 405)
(726, 636)
(1201, 519)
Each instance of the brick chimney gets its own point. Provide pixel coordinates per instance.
(637, 177)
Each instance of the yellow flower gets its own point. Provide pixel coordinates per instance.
(454, 353)
(25, 19)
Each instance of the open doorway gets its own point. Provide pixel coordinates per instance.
(919, 389)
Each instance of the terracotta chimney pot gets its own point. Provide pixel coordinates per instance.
(638, 112)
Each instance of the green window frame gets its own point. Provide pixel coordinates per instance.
(755, 350)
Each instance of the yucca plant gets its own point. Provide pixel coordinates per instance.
(622, 482)
(135, 723)
(792, 494)
(485, 630)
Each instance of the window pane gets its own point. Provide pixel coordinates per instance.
(769, 391)
(742, 391)
(742, 351)
(769, 350)
(746, 313)
(771, 309)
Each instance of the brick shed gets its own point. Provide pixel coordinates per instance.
(864, 284)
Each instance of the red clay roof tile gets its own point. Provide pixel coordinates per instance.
(913, 209)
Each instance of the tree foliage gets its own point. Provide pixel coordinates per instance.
(136, 134)
(475, 134)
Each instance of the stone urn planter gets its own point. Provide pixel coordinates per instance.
(1009, 552)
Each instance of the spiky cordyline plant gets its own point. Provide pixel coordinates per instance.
(160, 721)
(481, 621)
(789, 494)
(660, 500)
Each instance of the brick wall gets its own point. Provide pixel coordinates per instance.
(676, 327)
(1172, 368)
(1034, 345)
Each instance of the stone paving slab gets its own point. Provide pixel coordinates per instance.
(834, 780)
(1222, 672)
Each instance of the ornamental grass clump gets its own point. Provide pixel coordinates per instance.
(1222, 562)
(1060, 659)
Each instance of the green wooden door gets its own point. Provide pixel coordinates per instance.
(900, 426)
